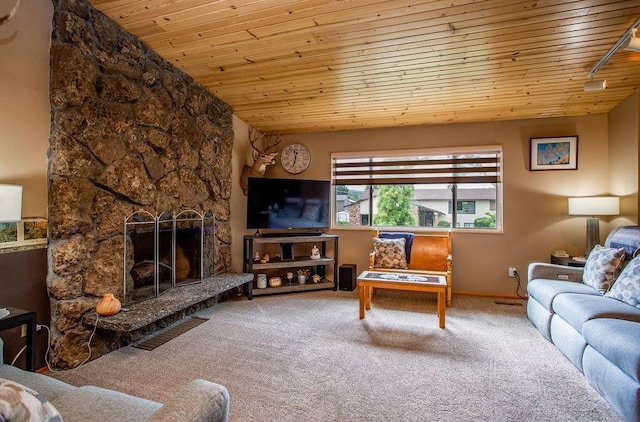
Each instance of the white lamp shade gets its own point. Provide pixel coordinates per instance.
(595, 205)
(10, 203)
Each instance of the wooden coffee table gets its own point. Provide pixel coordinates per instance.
(369, 280)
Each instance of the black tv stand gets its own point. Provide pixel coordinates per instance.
(290, 234)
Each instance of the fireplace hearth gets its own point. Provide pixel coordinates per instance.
(166, 251)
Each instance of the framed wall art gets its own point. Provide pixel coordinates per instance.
(559, 153)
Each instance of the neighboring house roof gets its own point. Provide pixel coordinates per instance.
(463, 194)
(352, 204)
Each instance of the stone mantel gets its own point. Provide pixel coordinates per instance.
(140, 315)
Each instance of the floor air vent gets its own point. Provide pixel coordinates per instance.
(508, 303)
(173, 332)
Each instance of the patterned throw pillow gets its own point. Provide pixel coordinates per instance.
(20, 403)
(627, 286)
(390, 253)
(602, 267)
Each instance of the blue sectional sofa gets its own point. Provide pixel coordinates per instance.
(596, 330)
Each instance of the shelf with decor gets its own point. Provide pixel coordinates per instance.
(288, 254)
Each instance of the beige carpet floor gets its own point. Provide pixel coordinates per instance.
(307, 357)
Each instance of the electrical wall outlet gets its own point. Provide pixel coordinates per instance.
(512, 271)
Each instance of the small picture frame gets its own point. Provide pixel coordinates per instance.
(554, 153)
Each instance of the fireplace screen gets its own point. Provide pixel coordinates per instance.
(164, 251)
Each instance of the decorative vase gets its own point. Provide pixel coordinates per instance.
(302, 279)
(108, 305)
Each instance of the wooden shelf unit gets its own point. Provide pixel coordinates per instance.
(326, 266)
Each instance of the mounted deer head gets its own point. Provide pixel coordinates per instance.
(261, 158)
(9, 15)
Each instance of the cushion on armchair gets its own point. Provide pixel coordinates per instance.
(390, 253)
(408, 241)
(602, 267)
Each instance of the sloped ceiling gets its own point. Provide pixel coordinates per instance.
(293, 66)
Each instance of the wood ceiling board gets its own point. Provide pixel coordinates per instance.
(319, 65)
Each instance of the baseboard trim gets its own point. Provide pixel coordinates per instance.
(492, 295)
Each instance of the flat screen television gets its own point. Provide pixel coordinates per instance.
(297, 204)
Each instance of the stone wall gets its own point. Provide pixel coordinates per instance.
(129, 131)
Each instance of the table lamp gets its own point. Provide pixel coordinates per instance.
(594, 206)
(10, 203)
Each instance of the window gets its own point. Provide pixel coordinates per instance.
(466, 207)
(416, 188)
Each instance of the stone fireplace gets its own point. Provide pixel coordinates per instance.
(129, 132)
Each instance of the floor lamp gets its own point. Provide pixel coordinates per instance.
(594, 206)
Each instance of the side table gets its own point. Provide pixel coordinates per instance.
(568, 261)
(17, 318)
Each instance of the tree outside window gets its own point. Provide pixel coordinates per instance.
(394, 206)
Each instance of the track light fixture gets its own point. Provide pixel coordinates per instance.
(628, 41)
(595, 85)
(633, 43)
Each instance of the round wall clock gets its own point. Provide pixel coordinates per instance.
(295, 158)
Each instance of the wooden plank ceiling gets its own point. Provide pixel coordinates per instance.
(293, 66)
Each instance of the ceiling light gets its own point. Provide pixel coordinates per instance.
(595, 85)
(633, 43)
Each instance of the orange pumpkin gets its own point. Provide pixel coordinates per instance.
(108, 305)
